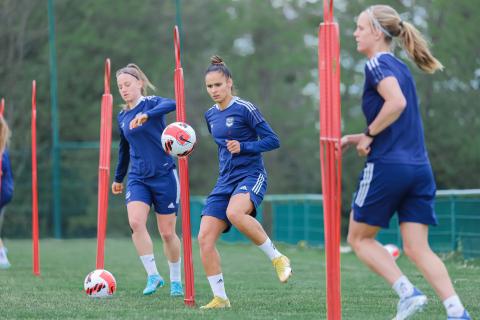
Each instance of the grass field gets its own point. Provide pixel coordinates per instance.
(252, 287)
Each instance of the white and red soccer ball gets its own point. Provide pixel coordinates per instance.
(178, 139)
(393, 250)
(100, 284)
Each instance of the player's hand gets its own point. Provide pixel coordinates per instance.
(117, 187)
(363, 146)
(233, 146)
(345, 143)
(138, 120)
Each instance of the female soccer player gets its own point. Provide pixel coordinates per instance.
(235, 125)
(152, 179)
(6, 185)
(397, 176)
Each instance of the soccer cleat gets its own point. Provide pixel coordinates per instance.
(282, 266)
(153, 282)
(410, 305)
(176, 289)
(5, 264)
(464, 316)
(217, 303)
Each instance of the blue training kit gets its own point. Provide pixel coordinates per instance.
(151, 178)
(242, 172)
(397, 176)
(7, 180)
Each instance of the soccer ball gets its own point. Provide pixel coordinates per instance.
(178, 139)
(99, 284)
(393, 250)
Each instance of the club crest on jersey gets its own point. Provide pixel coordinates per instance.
(229, 121)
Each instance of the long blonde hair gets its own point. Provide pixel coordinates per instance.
(5, 134)
(387, 20)
(135, 71)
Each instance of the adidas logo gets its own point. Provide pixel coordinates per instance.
(171, 205)
(219, 281)
(243, 188)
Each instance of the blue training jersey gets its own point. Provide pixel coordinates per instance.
(142, 147)
(7, 180)
(241, 121)
(403, 141)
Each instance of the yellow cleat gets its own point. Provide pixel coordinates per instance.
(217, 303)
(282, 266)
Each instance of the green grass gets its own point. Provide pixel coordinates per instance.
(251, 285)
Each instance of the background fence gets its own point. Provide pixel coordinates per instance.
(298, 219)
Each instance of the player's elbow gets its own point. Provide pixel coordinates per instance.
(275, 142)
(400, 104)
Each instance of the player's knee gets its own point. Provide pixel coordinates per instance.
(204, 242)
(352, 241)
(413, 252)
(167, 235)
(234, 216)
(136, 225)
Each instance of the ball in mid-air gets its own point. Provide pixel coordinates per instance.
(178, 139)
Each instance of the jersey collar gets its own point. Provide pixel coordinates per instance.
(234, 98)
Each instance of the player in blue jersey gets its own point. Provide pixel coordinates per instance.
(241, 134)
(6, 186)
(397, 176)
(152, 178)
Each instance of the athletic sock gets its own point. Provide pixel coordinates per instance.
(149, 264)
(175, 271)
(403, 287)
(454, 306)
(217, 285)
(269, 249)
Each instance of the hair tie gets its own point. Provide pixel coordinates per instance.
(401, 23)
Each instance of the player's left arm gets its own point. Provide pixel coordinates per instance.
(268, 140)
(392, 108)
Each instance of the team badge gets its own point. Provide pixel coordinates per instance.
(229, 121)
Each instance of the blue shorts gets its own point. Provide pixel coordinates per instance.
(161, 191)
(217, 202)
(384, 189)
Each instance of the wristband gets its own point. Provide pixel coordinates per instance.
(367, 133)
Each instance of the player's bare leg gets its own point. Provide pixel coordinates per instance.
(210, 230)
(239, 212)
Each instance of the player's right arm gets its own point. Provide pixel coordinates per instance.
(123, 162)
(350, 140)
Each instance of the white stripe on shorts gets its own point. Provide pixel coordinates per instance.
(258, 184)
(178, 185)
(364, 185)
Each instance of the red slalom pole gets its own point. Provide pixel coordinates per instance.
(104, 166)
(189, 299)
(36, 260)
(330, 155)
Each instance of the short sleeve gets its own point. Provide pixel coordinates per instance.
(377, 69)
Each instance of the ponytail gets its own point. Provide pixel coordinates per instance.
(5, 134)
(387, 20)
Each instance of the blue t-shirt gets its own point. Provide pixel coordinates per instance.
(241, 121)
(142, 147)
(7, 180)
(403, 141)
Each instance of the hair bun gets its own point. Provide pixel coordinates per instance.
(216, 60)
